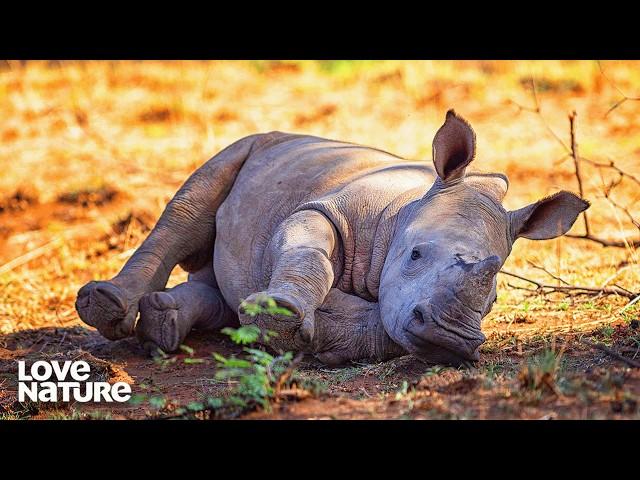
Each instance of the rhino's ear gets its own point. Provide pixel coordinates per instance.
(548, 218)
(454, 147)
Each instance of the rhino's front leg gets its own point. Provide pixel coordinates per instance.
(300, 265)
(350, 328)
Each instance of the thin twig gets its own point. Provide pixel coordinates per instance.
(576, 163)
(624, 210)
(555, 277)
(624, 98)
(612, 353)
(287, 373)
(630, 304)
(615, 275)
(607, 243)
(33, 254)
(612, 165)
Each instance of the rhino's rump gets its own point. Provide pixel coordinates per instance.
(350, 184)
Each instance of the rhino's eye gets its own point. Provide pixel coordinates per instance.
(415, 254)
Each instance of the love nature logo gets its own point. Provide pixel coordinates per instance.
(38, 385)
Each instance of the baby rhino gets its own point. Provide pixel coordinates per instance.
(375, 255)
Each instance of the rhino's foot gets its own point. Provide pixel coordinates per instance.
(106, 306)
(161, 323)
(166, 318)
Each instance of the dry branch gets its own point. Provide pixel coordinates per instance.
(545, 288)
(572, 152)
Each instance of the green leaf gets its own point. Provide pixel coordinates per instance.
(158, 402)
(280, 311)
(160, 353)
(237, 363)
(228, 373)
(187, 349)
(244, 335)
(219, 357)
(193, 360)
(195, 406)
(137, 398)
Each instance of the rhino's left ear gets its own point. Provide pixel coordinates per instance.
(454, 147)
(547, 218)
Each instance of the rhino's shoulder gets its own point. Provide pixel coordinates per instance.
(359, 211)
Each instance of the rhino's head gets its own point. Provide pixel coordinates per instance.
(439, 277)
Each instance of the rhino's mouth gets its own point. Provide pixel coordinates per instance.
(455, 351)
(438, 353)
(445, 334)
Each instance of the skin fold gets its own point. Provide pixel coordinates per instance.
(375, 255)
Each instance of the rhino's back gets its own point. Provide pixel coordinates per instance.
(285, 172)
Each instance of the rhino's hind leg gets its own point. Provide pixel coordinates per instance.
(166, 318)
(184, 234)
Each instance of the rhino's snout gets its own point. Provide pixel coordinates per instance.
(439, 339)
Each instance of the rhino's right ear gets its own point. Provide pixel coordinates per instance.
(547, 218)
(454, 147)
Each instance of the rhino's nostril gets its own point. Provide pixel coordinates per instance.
(417, 313)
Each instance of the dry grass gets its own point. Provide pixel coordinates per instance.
(90, 152)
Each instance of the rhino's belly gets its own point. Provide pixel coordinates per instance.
(269, 188)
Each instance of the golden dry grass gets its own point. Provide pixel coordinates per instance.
(90, 152)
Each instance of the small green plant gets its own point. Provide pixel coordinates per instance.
(606, 332)
(493, 369)
(256, 378)
(540, 373)
(406, 393)
(264, 305)
(435, 370)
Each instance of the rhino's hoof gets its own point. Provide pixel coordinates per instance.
(104, 306)
(159, 325)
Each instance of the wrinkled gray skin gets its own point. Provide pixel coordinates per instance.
(375, 255)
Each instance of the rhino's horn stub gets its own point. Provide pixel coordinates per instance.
(489, 266)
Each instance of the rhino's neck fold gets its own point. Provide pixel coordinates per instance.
(387, 224)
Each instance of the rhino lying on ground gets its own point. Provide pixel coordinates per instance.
(376, 256)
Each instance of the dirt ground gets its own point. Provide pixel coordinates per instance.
(91, 152)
